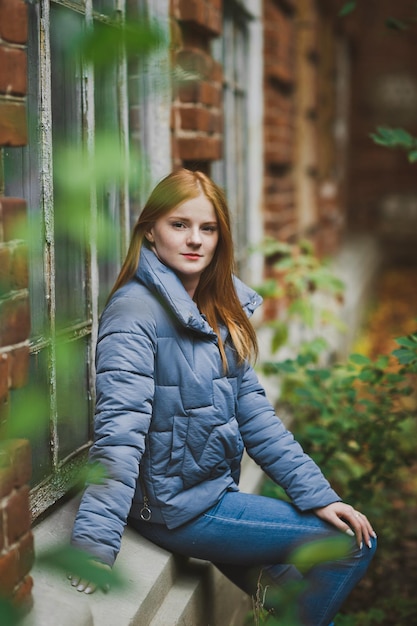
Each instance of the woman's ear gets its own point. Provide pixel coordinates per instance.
(149, 236)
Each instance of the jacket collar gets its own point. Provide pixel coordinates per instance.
(162, 280)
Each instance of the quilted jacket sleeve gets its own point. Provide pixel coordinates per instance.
(125, 388)
(274, 448)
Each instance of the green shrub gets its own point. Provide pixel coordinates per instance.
(357, 419)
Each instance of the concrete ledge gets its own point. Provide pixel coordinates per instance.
(162, 589)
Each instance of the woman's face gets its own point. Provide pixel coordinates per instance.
(186, 239)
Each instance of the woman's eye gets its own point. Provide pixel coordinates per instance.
(210, 229)
(178, 225)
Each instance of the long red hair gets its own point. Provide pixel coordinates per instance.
(215, 295)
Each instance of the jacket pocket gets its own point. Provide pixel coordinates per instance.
(197, 455)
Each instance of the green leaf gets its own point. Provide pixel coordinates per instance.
(405, 356)
(347, 8)
(412, 156)
(359, 359)
(304, 309)
(366, 376)
(393, 138)
(102, 45)
(382, 362)
(311, 554)
(279, 337)
(314, 347)
(329, 318)
(395, 24)
(269, 289)
(409, 342)
(284, 263)
(271, 247)
(67, 559)
(9, 615)
(287, 367)
(306, 247)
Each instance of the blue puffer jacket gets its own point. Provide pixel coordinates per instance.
(165, 410)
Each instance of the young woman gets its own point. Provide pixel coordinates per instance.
(178, 402)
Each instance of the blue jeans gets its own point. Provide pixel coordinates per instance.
(247, 536)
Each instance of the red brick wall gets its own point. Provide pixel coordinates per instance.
(380, 57)
(196, 120)
(13, 36)
(279, 118)
(16, 543)
(16, 540)
(301, 193)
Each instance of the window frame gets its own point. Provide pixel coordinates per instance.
(37, 186)
(246, 211)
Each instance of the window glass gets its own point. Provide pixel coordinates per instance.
(72, 395)
(232, 172)
(69, 217)
(108, 193)
(72, 110)
(54, 410)
(105, 7)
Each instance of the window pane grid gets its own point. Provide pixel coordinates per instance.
(64, 272)
(233, 174)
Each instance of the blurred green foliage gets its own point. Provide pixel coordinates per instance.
(298, 276)
(67, 559)
(356, 418)
(396, 138)
(285, 599)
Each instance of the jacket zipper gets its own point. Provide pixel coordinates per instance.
(145, 512)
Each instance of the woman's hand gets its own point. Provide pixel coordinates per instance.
(348, 520)
(87, 586)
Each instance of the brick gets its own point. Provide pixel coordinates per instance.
(195, 118)
(176, 40)
(214, 20)
(14, 320)
(202, 14)
(216, 122)
(4, 375)
(192, 10)
(201, 91)
(1, 528)
(13, 212)
(22, 596)
(6, 480)
(8, 573)
(5, 270)
(19, 366)
(13, 63)
(18, 514)
(13, 123)
(26, 555)
(173, 117)
(19, 267)
(13, 21)
(200, 148)
(281, 72)
(195, 61)
(216, 74)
